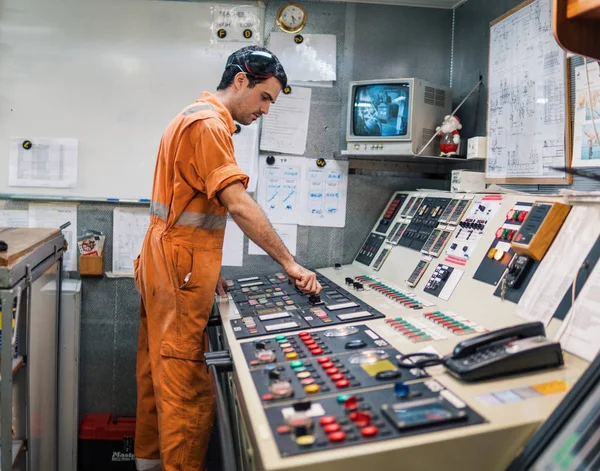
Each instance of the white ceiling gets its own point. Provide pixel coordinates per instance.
(411, 3)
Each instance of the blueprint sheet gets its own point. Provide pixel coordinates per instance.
(526, 107)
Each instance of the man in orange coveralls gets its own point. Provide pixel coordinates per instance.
(196, 183)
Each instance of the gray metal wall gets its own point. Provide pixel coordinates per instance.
(471, 52)
(373, 41)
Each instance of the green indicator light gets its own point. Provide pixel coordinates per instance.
(341, 399)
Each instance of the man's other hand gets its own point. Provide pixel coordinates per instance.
(221, 287)
(304, 279)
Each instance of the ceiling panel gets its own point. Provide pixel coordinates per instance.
(411, 3)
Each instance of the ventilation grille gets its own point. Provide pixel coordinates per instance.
(435, 97)
(430, 96)
(440, 97)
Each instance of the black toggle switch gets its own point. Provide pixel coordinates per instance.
(301, 430)
(358, 286)
(354, 344)
(301, 406)
(274, 375)
(388, 375)
(314, 299)
(349, 280)
(260, 345)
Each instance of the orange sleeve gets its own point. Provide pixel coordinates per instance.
(215, 162)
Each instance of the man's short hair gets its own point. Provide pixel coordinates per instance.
(236, 63)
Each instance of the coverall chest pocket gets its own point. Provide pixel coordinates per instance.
(186, 271)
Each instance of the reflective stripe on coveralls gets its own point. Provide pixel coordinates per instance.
(200, 220)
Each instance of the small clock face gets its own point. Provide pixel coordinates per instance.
(291, 18)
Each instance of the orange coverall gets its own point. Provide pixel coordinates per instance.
(176, 275)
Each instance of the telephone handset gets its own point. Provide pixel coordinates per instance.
(517, 270)
(515, 332)
(506, 351)
(511, 350)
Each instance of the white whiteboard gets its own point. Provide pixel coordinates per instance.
(110, 73)
(527, 98)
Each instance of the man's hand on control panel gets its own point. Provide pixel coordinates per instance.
(304, 279)
(221, 288)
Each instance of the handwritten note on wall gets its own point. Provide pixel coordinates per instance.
(293, 190)
(285, 128)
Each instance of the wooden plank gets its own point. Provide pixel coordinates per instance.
(22, 241)
(570, 122)
(575, 35)
(510, 12)
(583, 9)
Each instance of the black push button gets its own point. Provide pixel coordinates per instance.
(388, 375)
(354, 344)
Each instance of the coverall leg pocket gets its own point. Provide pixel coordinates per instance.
(186, 411)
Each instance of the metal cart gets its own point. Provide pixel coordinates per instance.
(29, 352)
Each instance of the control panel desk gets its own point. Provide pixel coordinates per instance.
(383, 315)
(492, 444)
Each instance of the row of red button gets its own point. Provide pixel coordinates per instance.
(336, 434)
(310, 343)
(392, 207)
(334, 373)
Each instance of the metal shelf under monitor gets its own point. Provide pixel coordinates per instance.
(410, 163)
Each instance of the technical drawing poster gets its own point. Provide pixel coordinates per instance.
(526, 106)
(586, 132)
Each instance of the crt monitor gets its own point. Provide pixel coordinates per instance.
(570, 438)
(395, 116)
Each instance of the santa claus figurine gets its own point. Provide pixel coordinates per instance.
(450, 137)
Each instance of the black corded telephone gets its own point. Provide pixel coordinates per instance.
(517, 270)
(515, 349)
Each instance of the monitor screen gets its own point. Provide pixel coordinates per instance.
(577, 446)
(381, 110)
(570, 439)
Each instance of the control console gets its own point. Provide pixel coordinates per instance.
(317, 363)
(271, 304)
(342, 420)
(425, 220)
